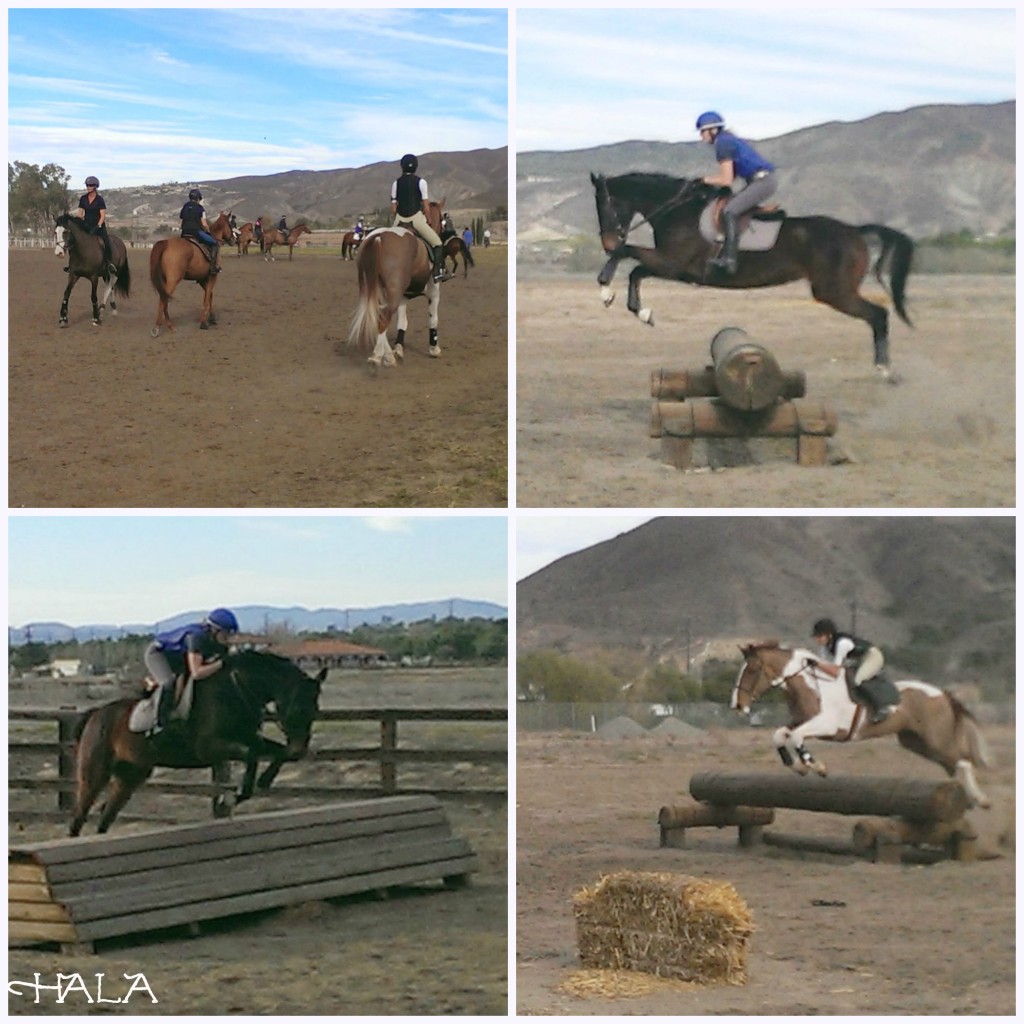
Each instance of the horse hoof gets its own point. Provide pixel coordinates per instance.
(399, 351)
(645, 316)
(204, 327)
(155, 333)
(435, 352)
(607, 296)
(388, 359)
(63, 323)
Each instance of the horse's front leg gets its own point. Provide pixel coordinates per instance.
(642, 313)
(64, 303)
(790, 744)
(433, 293)
(401, 326)
(604, 279)
(206, 319)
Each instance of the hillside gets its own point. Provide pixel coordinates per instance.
(726, 580)
(472, 183)
(924, 171)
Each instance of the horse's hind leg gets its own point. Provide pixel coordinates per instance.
(97, 312)
(126, 779)
(92, 773)
(433, 292)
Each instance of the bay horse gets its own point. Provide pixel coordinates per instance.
(832, 256)
(246, 235)
(926, 721)
(85, 259)
(394, 265)
(173, 260)
(223, 724)
(455, 247)
(350, 244)
(277, 237)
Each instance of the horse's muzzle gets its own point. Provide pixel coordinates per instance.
(610, 242)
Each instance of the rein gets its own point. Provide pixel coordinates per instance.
(669, 204)
(282, 711)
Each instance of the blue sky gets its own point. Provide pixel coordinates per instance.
(143, 568)
(146, 96)
(591, 77)
(542, 539)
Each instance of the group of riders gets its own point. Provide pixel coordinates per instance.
(409, 195)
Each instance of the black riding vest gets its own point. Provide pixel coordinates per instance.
(407, 195)
(860, 647)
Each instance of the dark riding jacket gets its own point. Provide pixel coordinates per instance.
(408, 195)
(193, 639)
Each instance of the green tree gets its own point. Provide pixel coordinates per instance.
(548, 675)
(35, 196)
(29, 656)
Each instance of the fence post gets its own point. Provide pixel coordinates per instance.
(388, 746)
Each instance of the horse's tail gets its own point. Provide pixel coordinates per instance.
(366, 322)
(898, 251)
(156, 268)
(967, 728)
(123, 282)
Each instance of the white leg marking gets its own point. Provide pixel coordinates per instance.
(607, 295)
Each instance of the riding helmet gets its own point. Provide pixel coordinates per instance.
(92, 180)
(409, 163)
(223, 619)
(195, 195)
(710, 119)
(826, 626)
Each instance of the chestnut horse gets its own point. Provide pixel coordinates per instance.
(350, 244)
(455, 247)
(175, 259)
(926, 720)
(831, 255)
(246, 235)
(275, 236)
(223, 724)
(84, 253)
(394, 265)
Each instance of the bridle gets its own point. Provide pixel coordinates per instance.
(678, 199)
(283, 708)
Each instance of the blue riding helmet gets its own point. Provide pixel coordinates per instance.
(710, 119)
(224, 619)
(195, 195)
(409, 163)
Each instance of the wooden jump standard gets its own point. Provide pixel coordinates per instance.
(911, 812)
(76, 891)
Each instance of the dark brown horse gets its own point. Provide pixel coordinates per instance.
(277, 237)
(223, 725)
(173, 260)
(832, 256)
(246, 235)
(84, 254)
(455, 247)
(394, 265)
(350, 244)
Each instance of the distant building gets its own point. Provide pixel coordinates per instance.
(313, 655)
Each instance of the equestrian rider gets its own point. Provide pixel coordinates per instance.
(860, 657)
(197, 650)
(257, 229)
(408, 202)
(282, 226)
(736, 159)
(94, 217)
(359, 229)
(193, 223)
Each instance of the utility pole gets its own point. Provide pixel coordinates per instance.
(687, 622)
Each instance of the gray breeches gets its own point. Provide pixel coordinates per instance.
(754, 194)
(158, 665)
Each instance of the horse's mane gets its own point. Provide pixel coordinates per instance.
(662, 187)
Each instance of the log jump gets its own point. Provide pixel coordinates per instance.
(77, 891)
(743, 395)
(906, 813)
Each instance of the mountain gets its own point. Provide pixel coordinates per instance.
(472, 183)
(924, 171)
(256, 618)
(719, 581)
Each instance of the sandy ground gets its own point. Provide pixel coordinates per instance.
(929, 940)
(422, 951)
(941, 435)
(261, 411)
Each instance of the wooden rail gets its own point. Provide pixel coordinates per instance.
(389, 755)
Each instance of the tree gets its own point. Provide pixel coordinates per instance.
(36, 197)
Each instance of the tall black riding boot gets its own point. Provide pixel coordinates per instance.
(164, 707)
(438, 254)
(727, 258)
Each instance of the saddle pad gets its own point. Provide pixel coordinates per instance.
(758, 237)
(142, 717)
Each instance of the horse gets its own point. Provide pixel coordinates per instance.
(85, 259)
(453, 249)
(350, 244)
(223, 724)
(277, 237)
(394, 265)
(175, 259)
(832, 256)
(246, 234)
(926, 720)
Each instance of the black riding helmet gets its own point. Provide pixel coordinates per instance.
(826, 626)
(409, 163)
(195, 195)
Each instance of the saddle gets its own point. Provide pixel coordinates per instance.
(142, 717)
(758, 229)
(205, 250)
(878, 691)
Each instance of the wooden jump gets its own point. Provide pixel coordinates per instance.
(906, 813)
(77, 891)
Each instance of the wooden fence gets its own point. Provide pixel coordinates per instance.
(389, 755)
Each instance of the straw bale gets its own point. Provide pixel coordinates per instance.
(669, 925)
(608, 984)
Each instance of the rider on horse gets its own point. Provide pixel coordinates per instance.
(862, 660)
(408, 198)
(359, 230)
(736, 159)
(197, 650)
(193, 223)
(94, 216)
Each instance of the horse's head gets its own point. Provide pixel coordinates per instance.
(60, 236)
(614, 214)
(433, 213)
(763, 665)
(655, 196)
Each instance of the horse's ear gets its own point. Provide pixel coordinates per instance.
(593, 178)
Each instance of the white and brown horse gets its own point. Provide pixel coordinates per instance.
(927, 721)
(394, 265)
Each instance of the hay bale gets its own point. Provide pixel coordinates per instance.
(669, 925)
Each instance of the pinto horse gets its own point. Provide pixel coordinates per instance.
(832, 256)
(278, 237)
(223, 724)
(85, 259)
(350, 244)
(394, 265)
(927, 721)
(455, 247)
(175, 259)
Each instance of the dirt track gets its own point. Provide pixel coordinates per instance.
(941, 436)
(261, 411)
(884, 940)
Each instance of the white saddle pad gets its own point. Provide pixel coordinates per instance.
(143, 716)
(760, 236)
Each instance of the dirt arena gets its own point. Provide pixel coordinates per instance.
(423, 951)
(833, 935)
(263, 410)
(942, 435)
